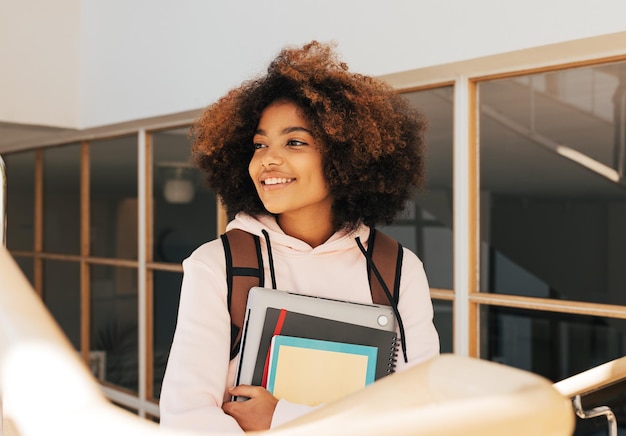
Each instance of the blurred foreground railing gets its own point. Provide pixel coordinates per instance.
(47, 390)
(3, 228)
(590, 381)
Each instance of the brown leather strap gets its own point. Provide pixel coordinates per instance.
(384, 269)
(244, 270)
(385, 253)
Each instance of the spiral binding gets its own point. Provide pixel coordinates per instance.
(393, 356)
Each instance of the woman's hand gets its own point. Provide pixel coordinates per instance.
(254, 414)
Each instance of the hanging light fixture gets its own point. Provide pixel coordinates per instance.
(179, 182)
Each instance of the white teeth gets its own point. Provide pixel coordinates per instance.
(276, 180)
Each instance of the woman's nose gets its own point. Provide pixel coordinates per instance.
(272, 156)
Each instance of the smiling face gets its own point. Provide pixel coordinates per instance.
(286, 167)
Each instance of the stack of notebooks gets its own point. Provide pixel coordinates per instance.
(311, 350)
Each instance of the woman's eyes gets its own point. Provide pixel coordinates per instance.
(290, 143)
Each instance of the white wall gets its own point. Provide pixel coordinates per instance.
(141, 58)
(39, 62)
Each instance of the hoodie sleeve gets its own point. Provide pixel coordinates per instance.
(197, 369)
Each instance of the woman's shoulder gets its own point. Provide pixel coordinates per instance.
(209, 254)
(410, 257)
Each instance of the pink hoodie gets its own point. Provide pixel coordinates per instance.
(198, 371)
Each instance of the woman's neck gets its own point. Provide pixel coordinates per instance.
(312, 230)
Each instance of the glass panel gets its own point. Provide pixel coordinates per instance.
(20, 168)
(27, 266)
(553, 197)
(114, 323)
(61, 213)
(425, 226)
(114, 197)
(166, 296)
(61, 294)
(185, 212)
(443, 322)
(553, 345)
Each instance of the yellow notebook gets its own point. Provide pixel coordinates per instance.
(312, 372)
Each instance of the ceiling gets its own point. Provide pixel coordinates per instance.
(12, 135)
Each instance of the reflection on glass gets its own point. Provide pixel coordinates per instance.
(61, 213)
(20, 171)
(425, 226)
(185, 212)
(443, 322)
(553, 198)
(114, 324)
(61, 295)
(166, 294)
(553, 345)
(114, 197)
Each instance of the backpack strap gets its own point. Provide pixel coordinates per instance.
(386, 253)
(243, 271)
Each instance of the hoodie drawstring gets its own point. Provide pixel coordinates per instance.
(271, 258)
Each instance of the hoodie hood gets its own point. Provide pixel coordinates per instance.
(282, 242)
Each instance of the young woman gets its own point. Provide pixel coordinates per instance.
(309, 157)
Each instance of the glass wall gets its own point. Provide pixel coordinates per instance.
(553, 209)
(61, 235)
(113, 198)
(61, 200)
(20, 208)
(20, 169)
(166, 293)
(89, 244)
(114, 330)
(184, 211)
(61, 293)
(425, 226)
(184, 214)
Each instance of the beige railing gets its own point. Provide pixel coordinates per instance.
(594, 379)
(47, 390)
(590, 381)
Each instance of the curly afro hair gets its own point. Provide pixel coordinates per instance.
(372, 140)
